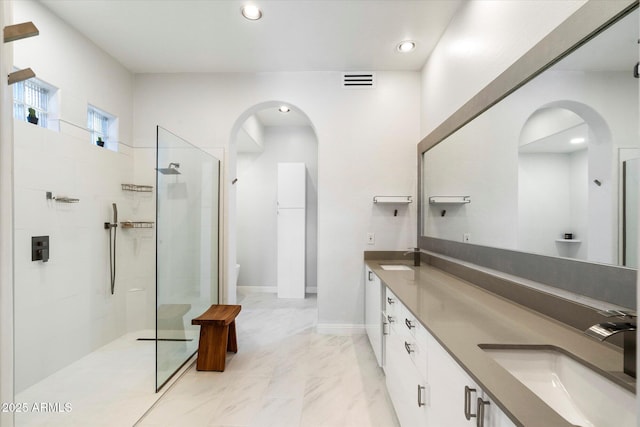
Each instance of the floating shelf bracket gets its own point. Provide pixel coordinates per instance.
(435, 200)
(392, 199)
(20, 31)
(20, 75)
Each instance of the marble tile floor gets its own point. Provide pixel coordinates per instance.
(284, 375)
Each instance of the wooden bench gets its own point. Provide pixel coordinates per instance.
(217, 336)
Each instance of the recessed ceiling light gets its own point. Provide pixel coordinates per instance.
(577, 140)
(406, 46)
(284, 109)
(251, 12)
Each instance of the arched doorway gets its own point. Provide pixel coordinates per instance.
(262, 137)
(567, 184)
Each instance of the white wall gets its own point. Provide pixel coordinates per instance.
(483, 39)
(552, 201)
(70, 294)
(366, 147)
(256, 204)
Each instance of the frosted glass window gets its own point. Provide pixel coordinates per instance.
(98, 123)
(34, 94)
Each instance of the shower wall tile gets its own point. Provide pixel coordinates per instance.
(66, 303)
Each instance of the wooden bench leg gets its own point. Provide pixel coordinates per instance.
(232, 342)
(212, 348)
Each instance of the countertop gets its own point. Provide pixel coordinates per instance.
(462, 316)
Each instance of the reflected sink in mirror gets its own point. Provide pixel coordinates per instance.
(579, 394)
(395, 267)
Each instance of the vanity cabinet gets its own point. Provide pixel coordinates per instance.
(455, 399)
(406, 364)
(373, 313)
(426, 385)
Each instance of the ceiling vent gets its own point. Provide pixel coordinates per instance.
(358, 80)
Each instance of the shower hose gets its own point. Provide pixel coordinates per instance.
(112, 256)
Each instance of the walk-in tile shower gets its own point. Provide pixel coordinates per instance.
(93, 347)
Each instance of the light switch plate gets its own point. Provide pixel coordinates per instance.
(466, 237)
(371, 238)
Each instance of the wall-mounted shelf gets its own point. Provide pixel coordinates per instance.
(137, 188)
(451, 200)
(136, 224)
(569, 240)
(20, 31)
(392, 199)
(61, 199)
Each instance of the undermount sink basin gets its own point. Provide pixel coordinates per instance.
(580, 395)
(395, 267)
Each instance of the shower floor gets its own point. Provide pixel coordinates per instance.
(113, 386)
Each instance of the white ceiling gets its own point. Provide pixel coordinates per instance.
(153, 36)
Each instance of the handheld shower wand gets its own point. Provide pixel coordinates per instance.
(112, 245)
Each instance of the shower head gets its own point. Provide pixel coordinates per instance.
(171, 170)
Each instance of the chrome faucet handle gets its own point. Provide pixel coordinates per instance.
(618, 313)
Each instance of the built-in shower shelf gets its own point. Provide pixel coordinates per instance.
(137, 188)
(136, 224)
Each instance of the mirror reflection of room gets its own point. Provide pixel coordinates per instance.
(545, 167)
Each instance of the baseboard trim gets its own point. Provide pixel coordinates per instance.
(340, 329)
(269, 289)
(258, 289)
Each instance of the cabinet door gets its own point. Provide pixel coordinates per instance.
(405, 385)
(448, 381)
(372, 309)
(493, 415)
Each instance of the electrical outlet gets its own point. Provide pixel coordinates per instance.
(466, 237)
(371, 238)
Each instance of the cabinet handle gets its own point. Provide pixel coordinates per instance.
(390, 300)
(467, 402)
(480, 412)
(390, 319)
(407, 347)
(409, 323)
(369, 273)
(420, 401)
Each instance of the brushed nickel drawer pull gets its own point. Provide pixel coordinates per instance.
(420, 401)
(370, 279)
(467, 402)
(407, 347)
(480, 412)
(409, 323)
(390, 300)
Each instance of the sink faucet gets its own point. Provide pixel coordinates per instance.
(602, 331)
(416, 256)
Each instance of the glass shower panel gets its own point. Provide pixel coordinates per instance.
(187, 248)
